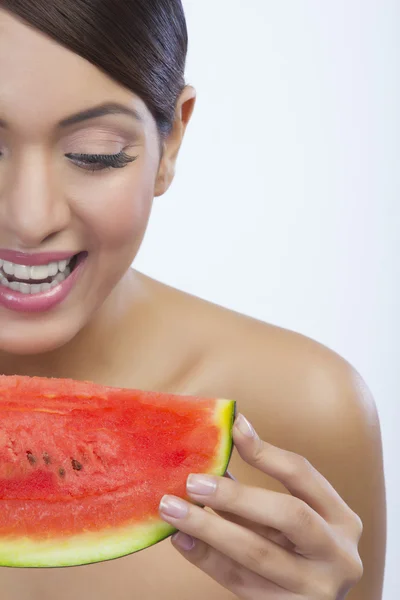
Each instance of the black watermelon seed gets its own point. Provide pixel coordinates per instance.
(30, 457)
(46, 458)
(77, 466)
(61, 472)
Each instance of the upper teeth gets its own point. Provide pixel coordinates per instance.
(34, 273)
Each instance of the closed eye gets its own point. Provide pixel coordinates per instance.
(100, 162)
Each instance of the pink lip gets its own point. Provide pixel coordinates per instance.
(32, 260)
(35, 303)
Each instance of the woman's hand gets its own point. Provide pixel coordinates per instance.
(262, 544)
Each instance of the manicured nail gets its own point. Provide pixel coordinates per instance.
(183, 541)
(229, 475)
(244, 426)
(204, 485)
(173, 507)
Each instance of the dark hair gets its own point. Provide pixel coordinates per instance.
(142, 44)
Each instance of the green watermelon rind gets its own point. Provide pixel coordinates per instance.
(105, 545)
(83, 549)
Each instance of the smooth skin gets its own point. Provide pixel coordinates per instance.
(315, 554)
(307, 486)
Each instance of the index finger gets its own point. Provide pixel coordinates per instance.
(295, 472)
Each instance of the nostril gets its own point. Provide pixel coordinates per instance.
(49, 237)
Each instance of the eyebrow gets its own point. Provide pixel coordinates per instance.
(111, 108)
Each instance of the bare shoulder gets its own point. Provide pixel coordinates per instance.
(304, 397)
(296, 390)
(271, 372)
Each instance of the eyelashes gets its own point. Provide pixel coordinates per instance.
(101, 162)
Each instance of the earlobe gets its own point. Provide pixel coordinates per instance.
(165, 177)
(159, 188)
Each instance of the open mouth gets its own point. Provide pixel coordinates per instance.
(37, 279)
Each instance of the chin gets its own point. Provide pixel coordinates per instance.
(28, 339)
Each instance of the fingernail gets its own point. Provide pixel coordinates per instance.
(244, 426)
(173, 507)
(183, 541)
(203, 485)
(229, 475)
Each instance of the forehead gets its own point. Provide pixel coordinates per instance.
(41, 81)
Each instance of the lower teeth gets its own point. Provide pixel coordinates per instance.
(36, 288)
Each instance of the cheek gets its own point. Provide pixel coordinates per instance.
(114, 209)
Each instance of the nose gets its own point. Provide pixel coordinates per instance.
(32, 208)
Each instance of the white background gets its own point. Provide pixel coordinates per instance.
(285, 204)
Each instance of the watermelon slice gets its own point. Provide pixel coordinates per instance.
(83, 467)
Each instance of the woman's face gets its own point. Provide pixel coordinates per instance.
(56, 204)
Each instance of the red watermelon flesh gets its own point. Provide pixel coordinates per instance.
(83, 467)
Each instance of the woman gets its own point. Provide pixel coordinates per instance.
(93, 111)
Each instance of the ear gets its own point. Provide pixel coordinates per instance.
(171, 146)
